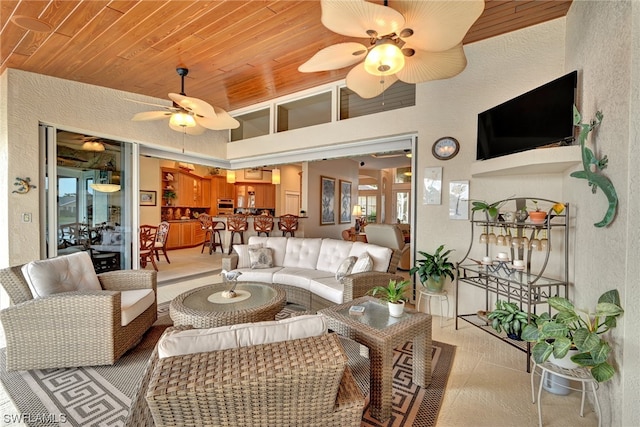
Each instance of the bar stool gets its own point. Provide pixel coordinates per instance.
(263, 224)
(206, 224)
(216, 237)
(236, 224)
(442, 296)
(288, 224)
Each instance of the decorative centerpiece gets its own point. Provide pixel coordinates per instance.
(230, 276)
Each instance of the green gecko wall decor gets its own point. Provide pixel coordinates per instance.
(592, 165)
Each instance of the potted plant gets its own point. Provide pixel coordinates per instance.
(508, 317)
(537, 215)
(490, 210)
(393, 293)
(577, 329)
(434, 269)
(169, 195)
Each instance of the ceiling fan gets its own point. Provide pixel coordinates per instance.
(416, 41)
(187, 114)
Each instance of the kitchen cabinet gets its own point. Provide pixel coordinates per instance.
(205, 193)
(185, 234)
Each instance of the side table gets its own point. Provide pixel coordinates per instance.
(442, 296)
(381, 333)
(580, 374)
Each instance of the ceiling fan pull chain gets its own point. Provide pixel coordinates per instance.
(382, 83)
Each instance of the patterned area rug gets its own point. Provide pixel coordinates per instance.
(101, 395)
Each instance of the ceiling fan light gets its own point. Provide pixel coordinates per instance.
(93, 146)
(105, 188)
(384, 59)
(182, 120)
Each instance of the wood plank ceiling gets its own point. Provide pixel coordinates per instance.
(239, 52)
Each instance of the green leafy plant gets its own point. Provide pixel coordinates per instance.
(169, 194)
(490, 209)
(578, 329)
(393, 292)
(508, 317)
(433, 266)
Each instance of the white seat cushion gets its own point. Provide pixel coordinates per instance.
(328, 288)
(264, 275)
(176, 343)
(298, 277)
(66, 273)
(133, 303)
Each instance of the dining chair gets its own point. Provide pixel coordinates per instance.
(161, 240)
(147, 245)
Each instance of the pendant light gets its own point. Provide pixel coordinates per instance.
(231, 177)
(275, 176)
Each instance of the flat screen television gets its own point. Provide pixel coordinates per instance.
(542, 116)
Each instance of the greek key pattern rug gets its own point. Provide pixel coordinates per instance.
(101, 395)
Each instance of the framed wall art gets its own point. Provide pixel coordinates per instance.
(148, 198)
(345, 202)
(459, 200)
(327, 200)
(432, 186)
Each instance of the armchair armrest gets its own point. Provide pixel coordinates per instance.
(125, 280)
(358, 284)
(230, 262)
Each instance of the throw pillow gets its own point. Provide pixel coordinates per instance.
(261, 257)
(345, 267)
(363, 264)
(243, 254)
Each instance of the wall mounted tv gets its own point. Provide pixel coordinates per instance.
(542, 116)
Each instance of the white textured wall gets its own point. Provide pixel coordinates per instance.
(607, 258)
(33, 98)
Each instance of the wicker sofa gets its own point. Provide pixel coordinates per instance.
(296, 382)
(306, 268)
(78, 327)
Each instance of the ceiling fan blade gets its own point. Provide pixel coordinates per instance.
(151, 115)
(425, 66)
(367, 85)
(355, 17)
(335, 57)
(168, 107)
(223, 121)
(438, 25)
(195, 105)
(195, 130)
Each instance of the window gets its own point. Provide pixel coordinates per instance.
(251, 125)
(403, 207)
(399, 95)
(368, 204)
(310, 111)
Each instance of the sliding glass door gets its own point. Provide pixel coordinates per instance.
(90, 208)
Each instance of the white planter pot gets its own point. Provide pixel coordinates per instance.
(396, 309)
(566, 361)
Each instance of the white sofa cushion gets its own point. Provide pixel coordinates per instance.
(298, 277)
(381, 256)
(176, 343)
(328, 288)
(302, 252)
(133, 303)
(66, 273)
(277, 244)
(244, 259)
(264, 275)
(332, 253)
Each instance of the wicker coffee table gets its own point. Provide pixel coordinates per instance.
(381, 333)
(204, 308)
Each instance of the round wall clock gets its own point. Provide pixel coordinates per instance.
(445, 148)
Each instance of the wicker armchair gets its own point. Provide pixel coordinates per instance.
(80, 328)
(302, 382)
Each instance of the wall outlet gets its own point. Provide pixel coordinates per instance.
(26, 217)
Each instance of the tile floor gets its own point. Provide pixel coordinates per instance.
(488, 385)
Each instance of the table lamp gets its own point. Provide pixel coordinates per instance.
(357, 212)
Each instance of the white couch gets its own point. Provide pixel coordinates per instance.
(306, 268)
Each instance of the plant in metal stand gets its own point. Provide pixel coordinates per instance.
(434, 269)
(577, 329)
(508, 317)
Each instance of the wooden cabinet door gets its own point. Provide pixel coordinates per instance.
(205, 191)
(269, 196)
(186, 233)
(173, 239)
(198, 235)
